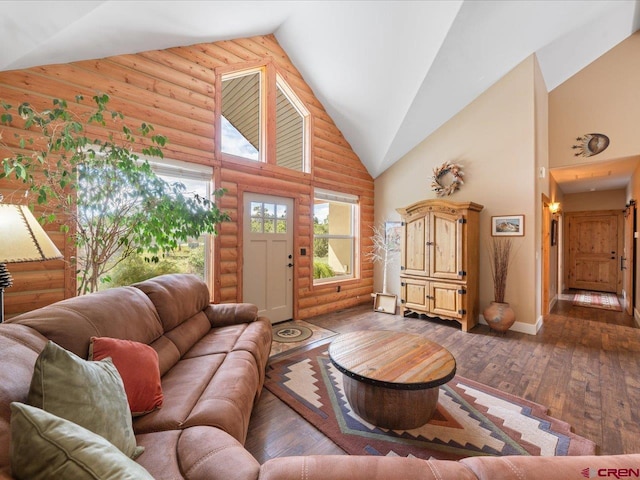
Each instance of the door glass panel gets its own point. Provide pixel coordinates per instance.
(268, 218)
(269, 210)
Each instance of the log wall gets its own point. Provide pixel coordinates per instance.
(175, 91)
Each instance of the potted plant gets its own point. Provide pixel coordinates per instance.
(499, 314)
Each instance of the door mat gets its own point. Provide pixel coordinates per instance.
(296, 333)
(603, 300)
(471, 418)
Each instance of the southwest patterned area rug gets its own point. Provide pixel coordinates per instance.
(289, 329)
(603, 300)
(471, 418)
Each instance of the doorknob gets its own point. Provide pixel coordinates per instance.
(290, 265)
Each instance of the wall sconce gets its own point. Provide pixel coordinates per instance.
(22, 239)
(554, 207)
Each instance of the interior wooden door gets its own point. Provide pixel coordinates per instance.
(593, 239)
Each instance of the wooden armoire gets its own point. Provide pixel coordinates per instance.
(439, 260)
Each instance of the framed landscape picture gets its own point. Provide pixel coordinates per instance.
(507, 226)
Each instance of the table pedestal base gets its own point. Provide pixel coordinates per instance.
(391, 408)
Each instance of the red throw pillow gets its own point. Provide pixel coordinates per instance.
(139, 368)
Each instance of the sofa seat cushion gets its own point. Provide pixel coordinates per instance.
(255, 336)
(182, 388)
(215, 390)
(228, 400)
(196, 453)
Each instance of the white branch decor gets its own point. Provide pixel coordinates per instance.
(439, 173)
(382, 251)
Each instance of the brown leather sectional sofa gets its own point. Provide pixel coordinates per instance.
(212, 361)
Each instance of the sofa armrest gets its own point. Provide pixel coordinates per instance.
(223, 314)
(550, 468)
(336, 467)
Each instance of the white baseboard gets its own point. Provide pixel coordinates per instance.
(554, 300)
(520, 327)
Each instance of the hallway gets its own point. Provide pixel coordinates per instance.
(564, 306)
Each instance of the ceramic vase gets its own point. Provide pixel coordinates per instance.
(499, 316)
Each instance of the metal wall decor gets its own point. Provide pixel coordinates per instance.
(591, 144)
(442, 184)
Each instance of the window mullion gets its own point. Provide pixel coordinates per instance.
(269, 116)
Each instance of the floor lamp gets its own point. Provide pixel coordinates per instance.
(22, 239)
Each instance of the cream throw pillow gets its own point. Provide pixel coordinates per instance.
(90, 394)
(47, 447)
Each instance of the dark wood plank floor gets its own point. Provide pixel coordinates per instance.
(584, 365)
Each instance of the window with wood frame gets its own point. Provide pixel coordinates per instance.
(335, 220)
(263, 120)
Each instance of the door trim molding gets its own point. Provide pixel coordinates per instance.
(250, 189)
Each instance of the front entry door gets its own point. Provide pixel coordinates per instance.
(593, 250)
(267, 272)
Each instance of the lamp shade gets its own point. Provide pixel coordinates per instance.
(22, 239)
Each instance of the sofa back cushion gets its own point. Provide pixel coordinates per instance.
(177, 297)
(123, 312)
(20, 347)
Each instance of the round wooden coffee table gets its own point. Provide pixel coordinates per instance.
(391, 379)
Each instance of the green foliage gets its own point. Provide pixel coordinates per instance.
(135, 269)
(105, 195)
(320, 245)
(322, 270)
(196, 261)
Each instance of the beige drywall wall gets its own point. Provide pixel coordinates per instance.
(588, 201)
(603, 97)
(494, 139)
(541, 119)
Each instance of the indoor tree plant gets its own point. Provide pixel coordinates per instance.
(499, 314)
(105, 195)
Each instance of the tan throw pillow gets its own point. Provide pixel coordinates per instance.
(90, 394)
(44, 446)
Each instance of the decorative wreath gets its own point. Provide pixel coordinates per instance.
(441, 171)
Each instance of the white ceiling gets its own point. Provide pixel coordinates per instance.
(606, 175)
(388, 72)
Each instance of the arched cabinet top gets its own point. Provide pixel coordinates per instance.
(440, 205)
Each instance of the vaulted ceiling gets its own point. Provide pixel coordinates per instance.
(388, 72)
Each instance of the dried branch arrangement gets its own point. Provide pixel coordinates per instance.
(500, 249)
